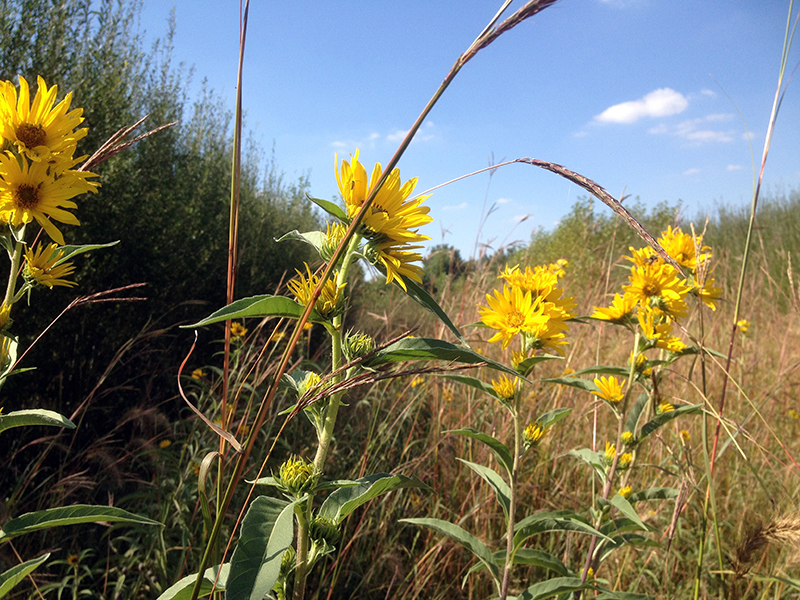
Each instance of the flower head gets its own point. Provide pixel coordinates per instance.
(198, 374)
(684, 249)
(238, 330)
(625, 491)
(506, 389)
(743, 325)
(664, 407)
(533, 434)
(511, 312)
(658, 287)
(39, 130)
(331, 299)
(609, 389)
(41, 266)
(620, 311)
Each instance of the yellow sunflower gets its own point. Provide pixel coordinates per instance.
(708, 293)
(391, 214)
(331, 299)
(399, 260)
(40, 130)
(510, 312)
(28, 192)
(620, 311)
(609, 389)
(682, 248)
(40, 266)
(658, 286)
(506, 388)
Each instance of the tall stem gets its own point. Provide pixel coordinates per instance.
(16, 258)
(512, 509)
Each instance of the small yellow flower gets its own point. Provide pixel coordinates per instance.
(743, 325)
(628, 438)
(198, 374)
(196, 468)
(642, 366)
(590, 572)
(165, 444)
(307, 326)
(533, 434)
(620, 311)
(625, 460)
(506, 388)
(609, 389)
(664, 407)
(73, 560)
(41, 266)
(448, 397)
(610, 453)
(295, 474)
(417, 381)
(238, 330)
(793, 413)
(685, 435)
(5, 311)
(277, 336)
(626, 491)
(331, 298)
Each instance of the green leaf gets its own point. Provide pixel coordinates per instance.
(563, 520)
(623, 596)
(591, 458)
(15, 574)
(619, 525)
(576, 382)
(603, 370)
(501, 451)
(474, 382)
(549, 419)
(636, 412)
(36, 416)
(554, 587)
(526, 366)
(345, 500)
(69, 515)
(658, 493)
(527, 556)
(409, 349)
(314, 238)
(182, 590)
(267, 532)
(492, 477)
(666, 417)
(330, 207)
(619, 541)
(257, 307)
(426, 301)
(623, 506)
(456, 533)
(71, 251)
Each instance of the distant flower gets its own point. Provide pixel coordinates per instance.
(238, 330)
(625, 460)
(626, 491)
(198, 374)
(73, 560)
(793, 413)
(533, 434)
(506, 389)
(685, 435)
(628, 438)
(609, 389)
(664, 407)
(417, 381)
(165, 444)
(610, 453)
(743, 325)
(41, 266)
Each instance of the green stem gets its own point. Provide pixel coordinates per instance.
(512, 509)
(16, 258)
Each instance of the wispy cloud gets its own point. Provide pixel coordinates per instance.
(697, 130)
(503, 200)
(734, 168)
(691, 171)
(461, 206)
(659, 103)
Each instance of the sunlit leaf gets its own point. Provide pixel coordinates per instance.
(17, 573)
(69, 515)
(501, 451)
(456, 533)
(257, 307)
(267, 532)
(554, 587)
(330, 207)
(345, 500)
(526, 366)
(526, 556)
(666, 417)
(576, 382)
(549, 419)
(182, 590)
(72, 251)
(314, 238)
(658, 493)
(635, 413)
(500, 487)
(625, 507)
(35, 416)
(543, 522)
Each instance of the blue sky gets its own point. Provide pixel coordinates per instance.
(653, 98)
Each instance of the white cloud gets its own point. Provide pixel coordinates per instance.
(691, 171)
(397, 135)
(735, 168)
(707, 92)
(339, 144)
(461, 206)
(659, 103)
(503, 200)
(696, 130)
(374, 136)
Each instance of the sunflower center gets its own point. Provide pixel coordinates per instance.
(650, 289)
(26, 196)
(515, 319)
(31, 135)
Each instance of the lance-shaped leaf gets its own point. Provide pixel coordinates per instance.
(603, 370)
(549, 419)
(72, 251)
(346, 499)
(554, 587)
(562, 520)
(426, 349)
(267, 532)
(474, 382)
(492, 477)
(257, 307)
(182, 589)
(657, 493)
(501, 451)
(591, 458)
(609, 595)
(69, 515)
(666, 417)
(456, 533)
(15, 574)
(635, 413)
(604, 549)
(576, 382)
(329, 207)
(314, 238)
(625, 507)
(36, 416)
(619, 525)
(527, 556)
(526, 366)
